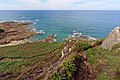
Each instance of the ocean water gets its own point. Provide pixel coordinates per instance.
(96, 24)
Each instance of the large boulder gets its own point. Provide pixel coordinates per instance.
(112, 39)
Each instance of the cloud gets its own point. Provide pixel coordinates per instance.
(43, 1)
(60, 4)
(99, 5)
(30, 1)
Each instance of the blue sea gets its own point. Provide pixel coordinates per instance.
(94, 23)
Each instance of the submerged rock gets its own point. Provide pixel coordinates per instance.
(112, 39)
(79, 36)
(50, 39)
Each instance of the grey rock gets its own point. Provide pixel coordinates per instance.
(112, 39)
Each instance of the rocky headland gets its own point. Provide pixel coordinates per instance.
(77, 58)
(13, 32)
(112, 39)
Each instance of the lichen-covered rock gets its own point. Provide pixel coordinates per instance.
(112, 39)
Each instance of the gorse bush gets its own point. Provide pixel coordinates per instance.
(2, 30)
(67, 69)
(70, 68)
(57, 76)
(67, 74)
(82, 46)
(99, 41)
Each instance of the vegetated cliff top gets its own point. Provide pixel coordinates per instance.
(42, 61)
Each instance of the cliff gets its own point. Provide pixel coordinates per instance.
(112, 39)
(73, 59)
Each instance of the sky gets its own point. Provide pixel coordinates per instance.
(59, 4)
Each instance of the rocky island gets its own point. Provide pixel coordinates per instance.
(15, 32)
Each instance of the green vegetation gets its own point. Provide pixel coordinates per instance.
(17, 57)
(99, 41)
(83, 45)
(67, 74)
(95, 54)
(111, 58)
(22, 57)
(68, 69)
(2, 30)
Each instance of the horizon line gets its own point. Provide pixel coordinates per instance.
(60, 10)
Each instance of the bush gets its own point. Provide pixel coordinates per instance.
(67, 74)
(82, 46)
(2, 30)
(57, 76)
(99, 42)
(67, 70)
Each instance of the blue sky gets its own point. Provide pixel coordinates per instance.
(59, 4)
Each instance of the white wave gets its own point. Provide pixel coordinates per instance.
(41, 31)
(92, 38)
(22, 17)
(37, 20)
(34, 23)
(80, 36)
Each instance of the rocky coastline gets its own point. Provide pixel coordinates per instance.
(14, 33)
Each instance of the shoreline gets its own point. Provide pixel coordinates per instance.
(21, 32)
(14, 43)
(15, 33)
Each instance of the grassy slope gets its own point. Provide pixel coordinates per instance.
(111, 58)
(18, 57)
(22, 57)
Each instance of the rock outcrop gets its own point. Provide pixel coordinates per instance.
(112, 39)
(50, 39)
(15, 31)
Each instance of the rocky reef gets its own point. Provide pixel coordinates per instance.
(112, 39)
(50, 39)
(15, 31)
(79, 36)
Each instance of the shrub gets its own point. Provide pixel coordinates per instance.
(99, 42)
(67, 69)
(67, 74)
(2, 30)
(57, 76)
(82, 46)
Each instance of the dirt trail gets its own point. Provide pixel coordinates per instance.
(84, 69)
(42, 72)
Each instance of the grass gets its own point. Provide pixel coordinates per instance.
(17, 57)
(22, 57)
(111, 58)
(68, 68)
(83, 45)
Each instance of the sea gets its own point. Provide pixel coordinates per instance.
(62, 23)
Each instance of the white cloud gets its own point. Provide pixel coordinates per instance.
(62, 4)
(30, 1)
